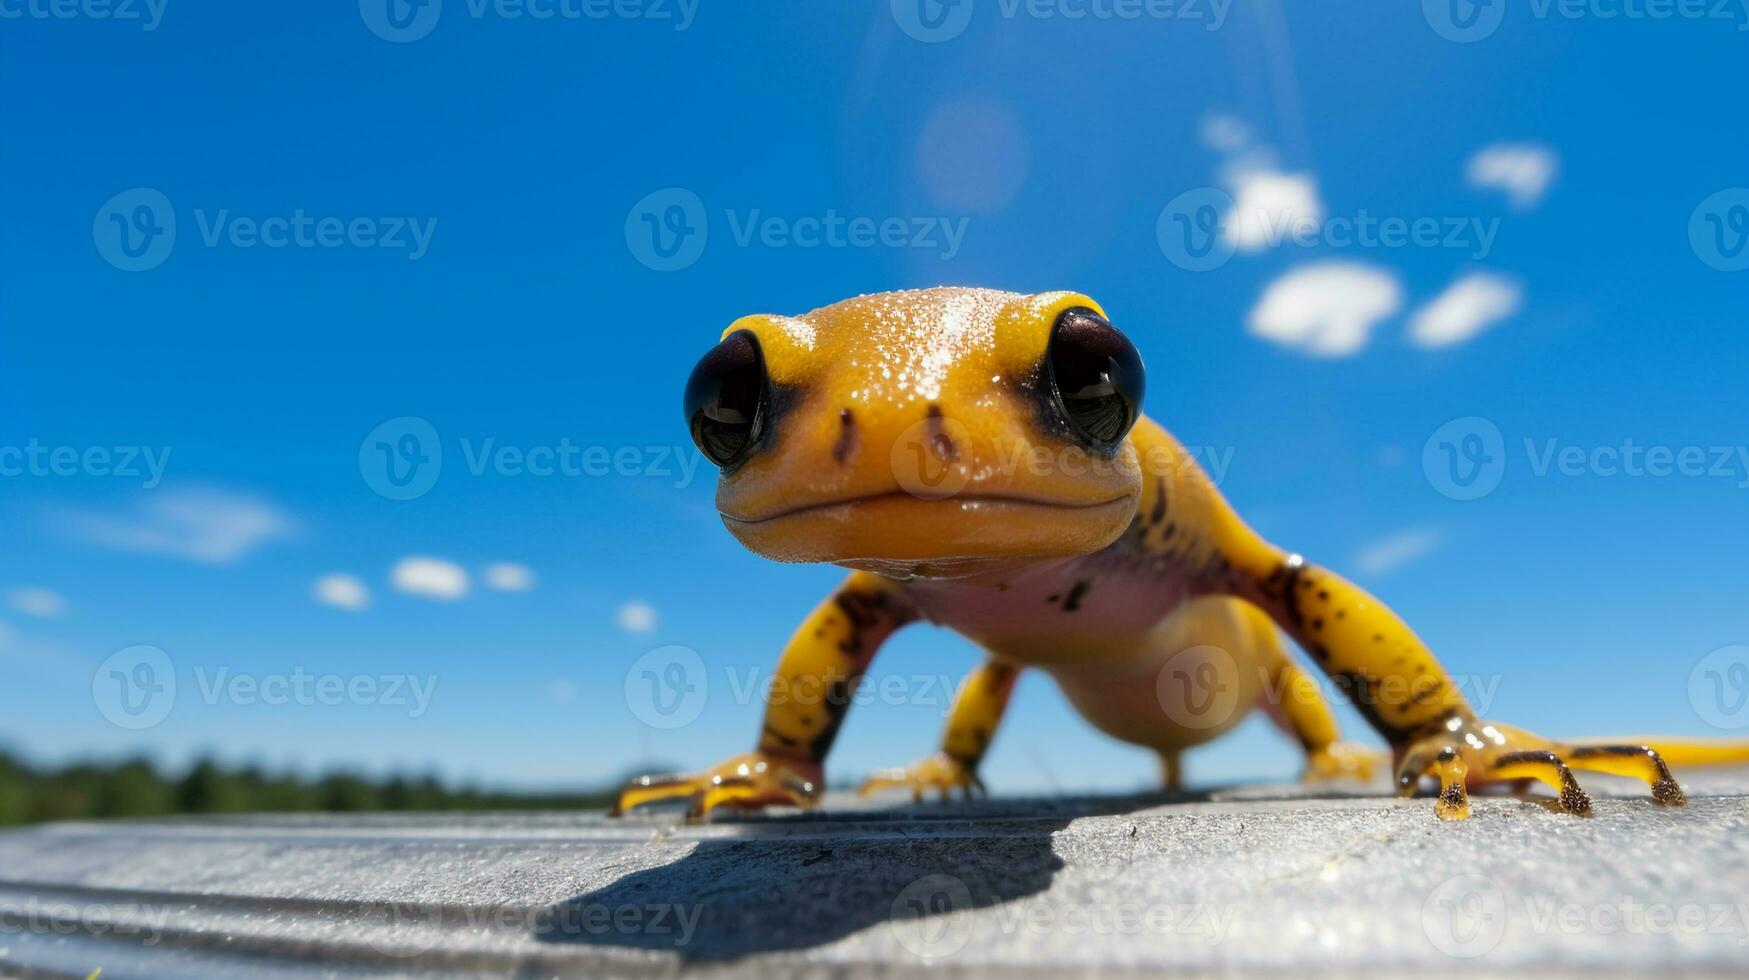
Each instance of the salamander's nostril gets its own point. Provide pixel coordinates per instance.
(940, 443)
(847, 437)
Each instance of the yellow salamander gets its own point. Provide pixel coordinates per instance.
(979, 460)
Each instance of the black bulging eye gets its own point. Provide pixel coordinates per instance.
(727, 399)
(1096, 378)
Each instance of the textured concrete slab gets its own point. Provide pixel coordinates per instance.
(1255, 880)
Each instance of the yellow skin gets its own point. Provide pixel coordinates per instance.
(907, 442)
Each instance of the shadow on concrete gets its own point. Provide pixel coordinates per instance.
(797, 882)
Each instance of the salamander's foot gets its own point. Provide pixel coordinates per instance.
(941, 772)
(746, 782)
(1344, 760)
(1470, 752)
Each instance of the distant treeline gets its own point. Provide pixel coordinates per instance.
(138, 789)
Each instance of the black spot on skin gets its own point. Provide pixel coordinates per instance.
(779, 737)
(1341, 614)
(1318, 623)
(1290, 596)
(1000, 674)
(1159, 513)
(1170, 530)
(1378, 637)
(864, 610)
(1453, 795)
(1362, 692)
(1428, 693)
(1073, 602)
(1324, 594)
(1587, 753)
(847, 437)
(837, 703)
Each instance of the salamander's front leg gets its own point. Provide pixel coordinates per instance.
(815, 682)
(1298, 707)
(977, 710)
(1397, 684)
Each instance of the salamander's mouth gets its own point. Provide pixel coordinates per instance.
(963, 502)
(895, 532)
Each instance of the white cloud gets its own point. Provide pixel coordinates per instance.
(33, 601)
(1327, 309)
(636, 617)
(342, 592)
(430, 578)
(211, 526)
(1466, 308)
(509, 577)
(1225, 134)
(1270, 207)
(1394, 551)
(1522, 170)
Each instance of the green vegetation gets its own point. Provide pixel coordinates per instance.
(137, 789)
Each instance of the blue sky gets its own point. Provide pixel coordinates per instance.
(441, 222)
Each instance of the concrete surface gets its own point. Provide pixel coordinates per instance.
(1256, 880)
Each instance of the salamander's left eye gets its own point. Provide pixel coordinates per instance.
(1096, 378)
(727, 399)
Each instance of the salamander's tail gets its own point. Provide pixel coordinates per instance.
(1682, 752)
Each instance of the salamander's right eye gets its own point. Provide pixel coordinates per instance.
(727, 400)
(1096, 378)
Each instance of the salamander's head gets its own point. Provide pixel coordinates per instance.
(937, 432)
